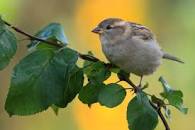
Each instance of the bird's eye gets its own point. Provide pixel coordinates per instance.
(109, 27)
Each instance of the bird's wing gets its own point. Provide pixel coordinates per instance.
(145, 34)
(141, 31)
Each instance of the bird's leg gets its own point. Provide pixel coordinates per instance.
(140, 82)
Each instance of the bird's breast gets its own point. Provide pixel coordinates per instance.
(132, 56)
(116, 53)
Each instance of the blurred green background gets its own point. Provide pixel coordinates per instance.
(173, 21)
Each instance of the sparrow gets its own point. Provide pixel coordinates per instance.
(131, 46)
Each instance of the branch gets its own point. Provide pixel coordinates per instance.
(31, 37)
(157, 108)
(163, 119)
(88, 57)
(136, 89)
(93, 59)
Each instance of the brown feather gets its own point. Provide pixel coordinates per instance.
(141, 31)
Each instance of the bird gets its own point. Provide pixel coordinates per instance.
(131, 46)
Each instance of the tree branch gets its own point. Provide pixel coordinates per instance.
(31, 37)
(157, 108)
(93, 59)
(163, 118)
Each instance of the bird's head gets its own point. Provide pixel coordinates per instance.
(112, 28)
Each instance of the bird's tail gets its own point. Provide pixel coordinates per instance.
(170, 57)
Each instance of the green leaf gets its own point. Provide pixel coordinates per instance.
(55, 109)
(86, 62)
(157, 101)
(41, 79)
(52, 32)
(115, 69)
(145, 86)
(174, 97)
(89, 93)
(167, 112)
(8, 45)
(140, 114)
(122, 75)
(42, 45)
(97, 71)
(75, 84)
(111, 95)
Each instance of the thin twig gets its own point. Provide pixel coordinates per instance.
(158, 110)
(31, 37)
(163, 119)
(130, 83)
(89, 58)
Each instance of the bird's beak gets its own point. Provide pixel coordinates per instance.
(97, 30)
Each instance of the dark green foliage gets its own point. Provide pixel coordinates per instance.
(55, 109)
(75, 83)
(8, 45)
(96, 71)
(43, 78)
(174, 97)
(89, 93)
(52, 32)
(111, 95)
(122, 75)
(140, 114)
(158, 101)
